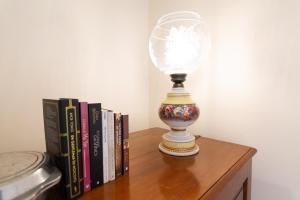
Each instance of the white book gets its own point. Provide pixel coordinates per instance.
(111, 145)
(105, 146)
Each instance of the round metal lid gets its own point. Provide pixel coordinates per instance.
(26, 175)
(16, 164)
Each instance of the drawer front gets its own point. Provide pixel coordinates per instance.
(240, 195)
(237, 187)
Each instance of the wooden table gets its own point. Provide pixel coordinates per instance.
(220, 171)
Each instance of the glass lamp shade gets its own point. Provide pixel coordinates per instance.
(179, 43)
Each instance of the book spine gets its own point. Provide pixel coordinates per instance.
(105, 146)
(71, 146)
(125, 144)
(96, 151)
(118, 145)
(111, 145)
(85, 146)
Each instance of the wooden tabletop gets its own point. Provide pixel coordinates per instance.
(154, 175)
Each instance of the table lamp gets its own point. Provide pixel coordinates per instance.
(178, 45)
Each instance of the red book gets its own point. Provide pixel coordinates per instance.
(85, 146)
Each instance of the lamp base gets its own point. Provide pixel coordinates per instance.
(178, 111)
(179, 143)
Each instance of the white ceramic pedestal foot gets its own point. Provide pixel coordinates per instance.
(179, 143)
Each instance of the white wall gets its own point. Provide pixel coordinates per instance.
(92, 50)
(249, 91)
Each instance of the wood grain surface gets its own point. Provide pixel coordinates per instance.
(154, 175)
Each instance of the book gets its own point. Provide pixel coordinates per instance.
(63, 142)
(125, 144)
(118, 145)
(96, 151)
(85, 146)
(111, 145)
(105, 145)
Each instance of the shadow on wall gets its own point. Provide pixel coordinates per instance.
(263, 190)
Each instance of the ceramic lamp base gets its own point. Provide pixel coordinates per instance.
(179, 143)
(178, 111)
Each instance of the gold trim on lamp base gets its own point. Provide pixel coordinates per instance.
(178, 143)
(180, 151)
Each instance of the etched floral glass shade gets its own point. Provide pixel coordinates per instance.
(179, 43)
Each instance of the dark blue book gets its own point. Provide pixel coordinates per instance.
(96, 148)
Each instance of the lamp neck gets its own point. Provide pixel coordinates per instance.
(178, 80)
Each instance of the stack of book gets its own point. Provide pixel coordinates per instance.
(87, 143)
